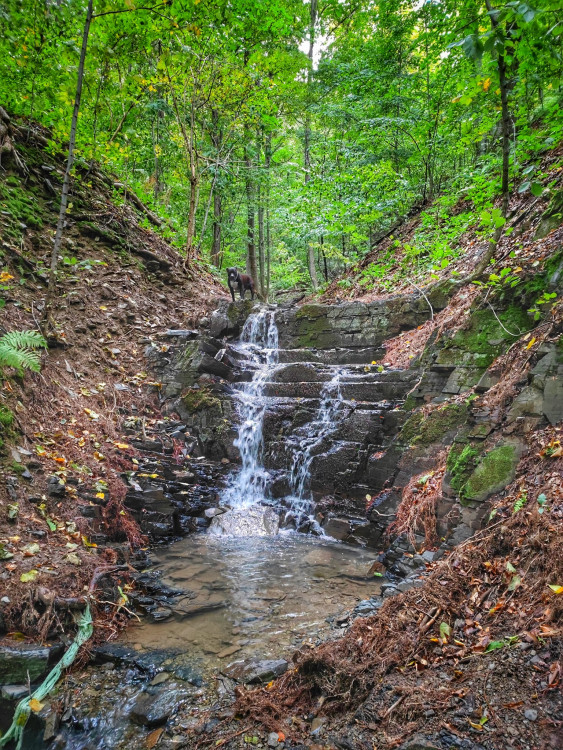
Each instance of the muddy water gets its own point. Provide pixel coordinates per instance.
(254, 597)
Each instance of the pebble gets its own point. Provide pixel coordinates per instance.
(531, 714)
(273, 740)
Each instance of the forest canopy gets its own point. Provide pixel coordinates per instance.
(287, 137)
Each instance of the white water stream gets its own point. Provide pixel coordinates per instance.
(248, 488)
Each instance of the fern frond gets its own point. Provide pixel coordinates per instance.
(17, 350)
(23, 340)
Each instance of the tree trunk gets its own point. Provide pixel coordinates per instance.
(505, 130)
(268, 162)
(250, 248)
(216, 245)
(307, 135)
(261, 249)
(70, 159)
(216, 138)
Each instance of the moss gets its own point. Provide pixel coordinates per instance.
(430, 428)
(410, 403)
(196, 399)
(460, 463)
(21, 205)
(485, 338)
(311, 311)
(17, 468)
(90, 229)
(494, 472)
(6, 417)
(237, 312)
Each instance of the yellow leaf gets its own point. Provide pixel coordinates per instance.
(100, 495)
(123, 446)
(531, 343)
(5, 276)
(103, 307)
(31, 575)
(486, 84)
(555, 588)
(35, 705)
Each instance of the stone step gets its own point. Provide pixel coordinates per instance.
(309, 372)
(361, 356)
(355, 391)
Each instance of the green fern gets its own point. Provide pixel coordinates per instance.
(17, 350)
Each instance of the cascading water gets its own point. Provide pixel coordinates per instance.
(247, 492)
(260, 340)
(324, 423)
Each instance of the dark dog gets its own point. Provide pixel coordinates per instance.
(244, 282)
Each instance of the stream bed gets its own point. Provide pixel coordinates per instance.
(248, 604)
(254, 596)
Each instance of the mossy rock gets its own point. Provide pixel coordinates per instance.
(485, 338)
(475, 478)
(460, 464)
(552, 216)
(197, 399)
(431, 428)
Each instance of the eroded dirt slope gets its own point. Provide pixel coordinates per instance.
(62, 449)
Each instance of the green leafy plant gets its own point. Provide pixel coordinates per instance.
(547, 298)
(520, 503)
(18, 349)
(506, 278)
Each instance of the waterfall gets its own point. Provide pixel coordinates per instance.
(247, 489)
(259, 338)
(325, 422)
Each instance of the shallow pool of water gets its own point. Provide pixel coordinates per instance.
(254, 596)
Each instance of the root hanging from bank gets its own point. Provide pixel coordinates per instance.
(417, 510)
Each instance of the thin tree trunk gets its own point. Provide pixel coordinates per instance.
(70, 159)
(307, 138)
(194, 184)
(268, 162)
(216, 244)
(325, 266)
(251, 248)
(505, 129)
(216, 139)
(206, 215)
(260, 204)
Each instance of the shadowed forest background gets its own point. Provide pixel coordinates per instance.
(289, 137)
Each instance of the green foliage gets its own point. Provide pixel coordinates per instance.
(18, 349)
(460, 464)
(520, 503)
(205, 101)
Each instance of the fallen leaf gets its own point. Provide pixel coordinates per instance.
(35, 705)
(153, 738)
(31, 575)
(31, 549)
(556, 588)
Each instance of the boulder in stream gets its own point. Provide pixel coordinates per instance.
(255, 521)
